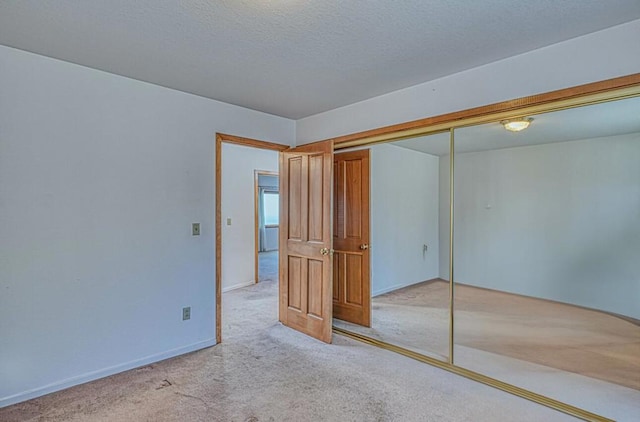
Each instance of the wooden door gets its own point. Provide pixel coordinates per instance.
(351, 281)
(305, 239)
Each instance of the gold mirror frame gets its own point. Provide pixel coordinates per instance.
(593, 93)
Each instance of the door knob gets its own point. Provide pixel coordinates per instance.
(324, 251)
(364, 247)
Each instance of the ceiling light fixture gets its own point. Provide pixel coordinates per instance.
(516, 125)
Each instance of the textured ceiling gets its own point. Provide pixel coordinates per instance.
(295, 58)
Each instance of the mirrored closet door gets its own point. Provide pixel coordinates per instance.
(409, 298)
(533, 286)
(547, 254)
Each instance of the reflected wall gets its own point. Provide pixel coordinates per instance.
(546, 268)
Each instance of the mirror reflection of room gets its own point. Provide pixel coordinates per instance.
(409, 299)
(546, 253)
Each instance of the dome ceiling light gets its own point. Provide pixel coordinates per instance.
(516, 125)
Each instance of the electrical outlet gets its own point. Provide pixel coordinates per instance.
(186, 313)
(195, 229)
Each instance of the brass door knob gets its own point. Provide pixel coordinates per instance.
(324, 251)
(364, 247)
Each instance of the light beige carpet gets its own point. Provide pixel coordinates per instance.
(266, 372)
(268, 266)
(565, 337)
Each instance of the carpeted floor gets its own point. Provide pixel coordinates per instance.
(560, 336)
(586, 358)
(266, 372)
(565, 337)
(268, 266)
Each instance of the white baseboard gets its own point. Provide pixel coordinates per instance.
(101, 373)
(388, 289)
(395, 287)
(238, 286)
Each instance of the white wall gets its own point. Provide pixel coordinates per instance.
(563, 221)
(404, 217)
(100, 179)
(238, 239)
(601, 55)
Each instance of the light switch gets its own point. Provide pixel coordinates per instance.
(228, 221)
(195, 229)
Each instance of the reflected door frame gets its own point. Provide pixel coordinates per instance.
(351, 237)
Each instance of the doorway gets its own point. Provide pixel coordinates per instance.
(237, 237)
(267, 217)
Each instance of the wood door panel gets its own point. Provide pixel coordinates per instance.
(314, 286)
(337, 266)
(338, 217)
(352, 303)
(352, 285)
(306, 284)
(316, 198)
(295, 283)
(352, 282)
(353, 194)
(294, 202)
